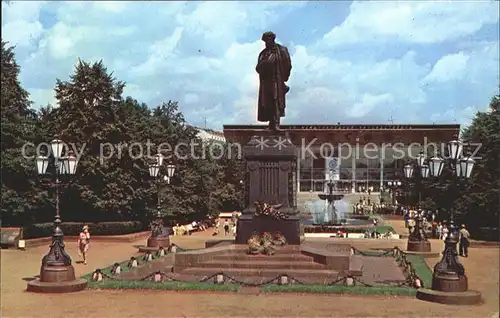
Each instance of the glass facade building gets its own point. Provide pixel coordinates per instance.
(354, 173)
(357, 166)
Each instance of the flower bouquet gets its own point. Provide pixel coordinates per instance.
(267, 243)
(268, 248)
(279, 239)
(266, 237)
(254, 245)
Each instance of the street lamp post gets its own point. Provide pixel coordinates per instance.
(57, 274)
(417, 241)
(159, 236)
(449, 281)
(449, 274)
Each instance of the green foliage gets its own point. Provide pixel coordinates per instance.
(339, 289)
(19, 200)
(74, 228)
(111, 132)
(479, 203)
(476, 201)
(421, 269)
(177, 286)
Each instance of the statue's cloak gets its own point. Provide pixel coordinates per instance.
(272, 78)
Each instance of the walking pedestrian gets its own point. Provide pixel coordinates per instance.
(464, 241)
(83, 243)
(439, 230)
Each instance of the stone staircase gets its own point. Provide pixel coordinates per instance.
(299, 263)
(315, 262)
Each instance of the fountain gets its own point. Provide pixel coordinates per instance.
(331, 209)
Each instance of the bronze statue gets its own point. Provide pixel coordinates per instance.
(274, 66)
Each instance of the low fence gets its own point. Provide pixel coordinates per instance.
(412, 278)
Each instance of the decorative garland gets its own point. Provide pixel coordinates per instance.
(262, 208)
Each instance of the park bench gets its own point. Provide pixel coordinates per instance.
(9, 237)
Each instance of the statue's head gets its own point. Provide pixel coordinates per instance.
(269, 37)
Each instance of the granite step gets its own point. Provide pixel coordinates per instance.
(264, 264)
(300, 274)
(280, 257)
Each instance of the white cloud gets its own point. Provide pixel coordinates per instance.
(191, 98)
(463, 116)
(412, 21)
(20, 25)
(448, 68)
(204, 55)
(368, 103)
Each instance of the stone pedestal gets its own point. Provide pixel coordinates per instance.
(290, 228)
(270, 178)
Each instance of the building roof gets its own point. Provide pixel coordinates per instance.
(347, 127)
(376, 133)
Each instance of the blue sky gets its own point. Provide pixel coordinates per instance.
(353, 62)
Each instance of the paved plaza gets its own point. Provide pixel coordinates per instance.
(482, 268)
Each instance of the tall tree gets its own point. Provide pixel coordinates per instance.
(480, 203)
(19, 200)
(88, 119)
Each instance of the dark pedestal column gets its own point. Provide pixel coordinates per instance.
(270, 178)
(290, 228)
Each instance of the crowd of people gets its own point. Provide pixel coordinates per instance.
(366, 206)
(227, 225)
(436, 229)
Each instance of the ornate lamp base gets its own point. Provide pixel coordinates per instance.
(57, 279)
(449, 282)
(470, 297)
(159, 241)
(418, 246)
(154, 244)
(57, 275)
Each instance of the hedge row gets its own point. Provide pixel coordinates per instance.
(74, 228)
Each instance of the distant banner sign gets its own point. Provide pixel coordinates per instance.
(332, 168)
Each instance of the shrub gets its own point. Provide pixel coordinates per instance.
(74, 228)
(485, 234)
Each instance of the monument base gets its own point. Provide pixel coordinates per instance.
(250, 224)
(57, 279)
